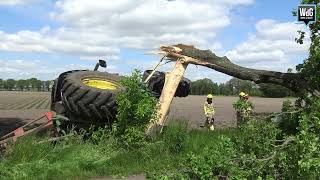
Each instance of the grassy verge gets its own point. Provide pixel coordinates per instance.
(74, 158)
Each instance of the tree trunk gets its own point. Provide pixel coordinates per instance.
(171, 84)
(293, 81)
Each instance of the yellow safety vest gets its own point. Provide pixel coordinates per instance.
(208, 109)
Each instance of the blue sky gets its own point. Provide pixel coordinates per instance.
(244, 19)
(40, 38)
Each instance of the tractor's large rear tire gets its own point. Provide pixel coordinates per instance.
(90, 96)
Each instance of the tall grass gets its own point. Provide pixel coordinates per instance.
(74, 158)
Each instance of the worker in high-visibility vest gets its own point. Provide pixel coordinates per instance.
(242, 95)
(245, 109)
(249, 109)
(209, 112)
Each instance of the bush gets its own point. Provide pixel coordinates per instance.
(136, 107)
(255, 143)
(309, 141)
(257, 137)
(213, 161)
(289, 118)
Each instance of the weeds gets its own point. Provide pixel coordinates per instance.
(175, 136)
(75, 158)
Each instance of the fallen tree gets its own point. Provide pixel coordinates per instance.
(293, 81)
(184, 55)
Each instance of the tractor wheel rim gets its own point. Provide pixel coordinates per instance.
(101, 83)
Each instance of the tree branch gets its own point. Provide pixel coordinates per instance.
(293, 81)
(279, 147)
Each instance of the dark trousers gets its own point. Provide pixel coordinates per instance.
(209, 121)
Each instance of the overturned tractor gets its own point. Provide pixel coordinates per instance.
(87, 97)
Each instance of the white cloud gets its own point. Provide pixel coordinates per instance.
(98, 28)
(23, 69)
(44, 42)
(15, 2)
(147, 24)
(272, 46)
(198, 72)
(271, 29)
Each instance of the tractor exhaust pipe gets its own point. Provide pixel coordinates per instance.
(101, 63)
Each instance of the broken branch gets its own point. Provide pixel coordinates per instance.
(293, 81)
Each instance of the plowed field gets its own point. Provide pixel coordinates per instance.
(16, 108)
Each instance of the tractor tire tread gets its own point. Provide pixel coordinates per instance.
(89, 103)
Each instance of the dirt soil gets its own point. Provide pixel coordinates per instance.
(191, 109)
(17, 108)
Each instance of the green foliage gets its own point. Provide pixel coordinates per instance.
(213, 161)
(257, 138)
(275, 91)
(234, 86)
(310, 67)
(252, 152)
(225, 89)
(203, 86)
(238, 85)
(241, 104)
(309, 141)
(136, 107)
(22, 153)
(134, 137)
(175, 136)
(289, 118)
(99, 135)
(74, 158)
(32, 84)
(245, 153)
(255, 143)
(29, 159)
(308, 165)
(10, 84)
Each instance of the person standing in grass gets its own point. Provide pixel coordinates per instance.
(209, 112)
(244, 108)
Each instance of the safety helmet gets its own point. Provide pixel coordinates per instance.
(242, 94)
(210, 96)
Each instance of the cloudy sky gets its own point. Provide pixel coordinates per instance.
(42, 38)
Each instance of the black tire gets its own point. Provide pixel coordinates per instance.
(184, 88)
(87, 103)
(156, 83)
